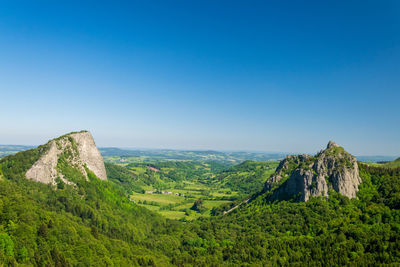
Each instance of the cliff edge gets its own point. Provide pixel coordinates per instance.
(76, 149)
(303, 176)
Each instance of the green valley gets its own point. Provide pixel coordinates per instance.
(199, 133)
(172, 187)
(327, 209)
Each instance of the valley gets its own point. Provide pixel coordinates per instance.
(62, 205)
(199, 133)
(172, 187)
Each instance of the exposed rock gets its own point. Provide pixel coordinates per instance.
(341, 170)
(78, 149)
(44, 170)
(304, 176)
(285, 168)
(332, 144)
(89, 154)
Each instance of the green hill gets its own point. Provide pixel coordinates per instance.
(387, 165)
(392, 164)
(336, 231)
(248, 177)
(92, 222)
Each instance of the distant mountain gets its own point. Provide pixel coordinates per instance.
(375, 158)
(6, 150)
(157, 155)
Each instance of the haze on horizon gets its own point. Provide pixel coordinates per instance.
(229, 75)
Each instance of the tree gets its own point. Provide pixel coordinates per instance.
(6, 244)
(198, 206)
(42, 230)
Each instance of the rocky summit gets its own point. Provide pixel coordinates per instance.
(77, 149)
(303, 176)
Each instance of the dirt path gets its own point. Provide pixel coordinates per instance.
(237, 206)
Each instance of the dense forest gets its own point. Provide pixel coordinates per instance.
(95, 224)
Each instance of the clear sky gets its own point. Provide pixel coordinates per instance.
(224, 75)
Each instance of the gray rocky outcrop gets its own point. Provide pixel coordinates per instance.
(89, 154)
(78, 149)
(304, 176)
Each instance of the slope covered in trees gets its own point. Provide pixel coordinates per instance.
(391, 164)
(93, 223)
(333, 231)
(248, 177)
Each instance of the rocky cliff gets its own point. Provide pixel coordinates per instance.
(78, 150)
(303, 176)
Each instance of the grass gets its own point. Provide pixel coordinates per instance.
(214, 203)
(159, 198)
(151, 207)
(194, 180)
(393, 164)
(173, 214)
(159, 202)
(390, 164)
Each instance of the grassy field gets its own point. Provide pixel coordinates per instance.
(178, 207)
(172, 187)
(390, 164)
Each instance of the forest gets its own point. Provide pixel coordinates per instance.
(97, 224)
(199, 133)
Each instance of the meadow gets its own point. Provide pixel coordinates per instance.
(171, 187)
(179, 206)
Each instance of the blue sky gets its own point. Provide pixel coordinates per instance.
(225, 75)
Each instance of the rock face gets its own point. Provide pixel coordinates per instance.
(89, 154)
(303, 176)
(77, 149)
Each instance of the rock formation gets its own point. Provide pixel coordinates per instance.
(303, 176)
(77, 149)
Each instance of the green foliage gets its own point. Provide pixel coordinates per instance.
(124, 178)
(95, 224)
(92, 223)
(64, 166)
(60, 183)
(226, 159)
(388, 165)
(198, 206)
(381, 185)
(335, 150)
(15, 166)
(248, 177)
(6, 244)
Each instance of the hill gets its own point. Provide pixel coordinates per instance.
(171, 188)
(246, 178)
(342, 229)
(301, 177)
(89, 222)
(73, 152)
(92, 222)
(391, 164)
